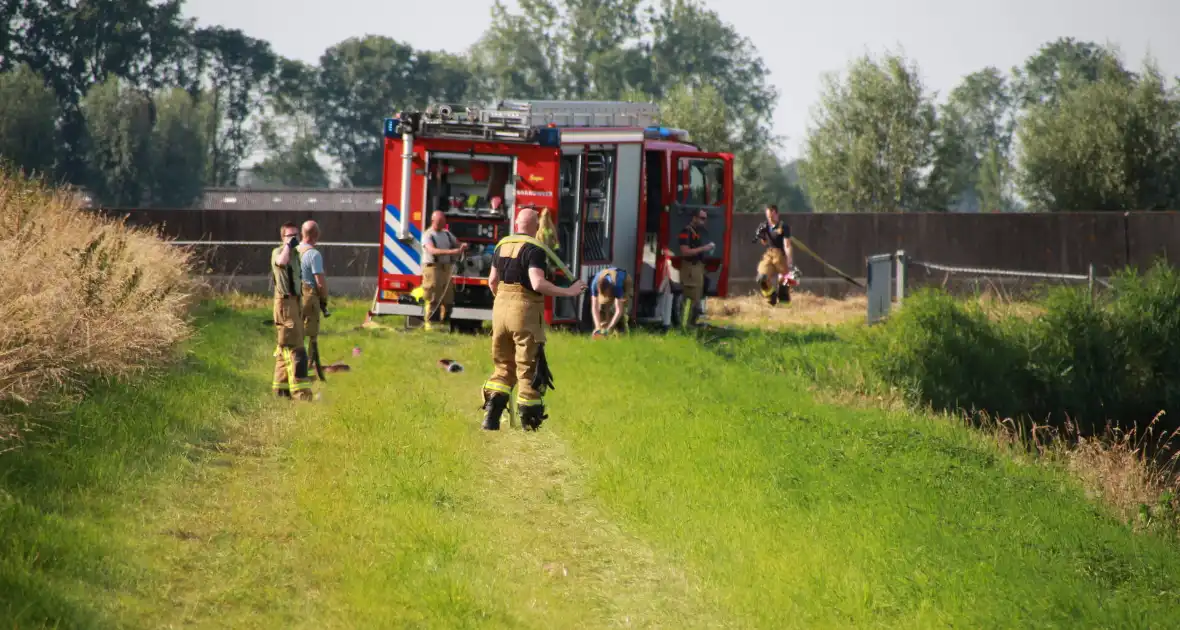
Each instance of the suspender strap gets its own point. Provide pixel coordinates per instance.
(524, 238)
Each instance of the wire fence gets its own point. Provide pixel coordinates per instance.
(1091, 278)
(889, 278)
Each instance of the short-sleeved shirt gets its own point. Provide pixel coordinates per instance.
(689, 237)
(615, 277)
(441, 240)
(311, 262)
(515, 270)
(778, 233)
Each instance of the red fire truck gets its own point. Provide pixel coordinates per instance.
(618, 187)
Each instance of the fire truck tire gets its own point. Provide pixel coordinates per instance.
(677, 308)
(467, 326)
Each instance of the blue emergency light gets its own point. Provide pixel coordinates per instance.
(661, 132)
(549, 136)
(391, 127)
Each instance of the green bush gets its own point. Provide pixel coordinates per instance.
(947, 354)
(1113, 360)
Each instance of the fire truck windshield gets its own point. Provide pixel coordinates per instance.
(462, 186)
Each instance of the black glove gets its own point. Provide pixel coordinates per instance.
(324, 307)
(293, 243)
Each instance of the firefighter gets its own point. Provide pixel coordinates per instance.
(611, 288)
(692, 266)
(315, 289)
(439, 247)
(778, 260)
(519, 282)
(290, 378)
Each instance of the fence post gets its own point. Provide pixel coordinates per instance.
(1090, 279)
(900, 272)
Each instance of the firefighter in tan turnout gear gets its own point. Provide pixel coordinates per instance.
(692, 266)
(290, 378)
(439, 247)
(315, 289)
(519, 281)
(775, 267)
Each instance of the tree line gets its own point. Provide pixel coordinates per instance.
(140, 106)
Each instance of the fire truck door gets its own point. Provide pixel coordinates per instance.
(703, 181)
(569, 228)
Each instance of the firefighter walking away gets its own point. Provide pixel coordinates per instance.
(775, 269)
(290, 378)
(519, 281)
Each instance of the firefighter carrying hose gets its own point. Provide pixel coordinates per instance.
(439, 247)
(774, 270)
(290, 378)
(519, 282)
(612, 290)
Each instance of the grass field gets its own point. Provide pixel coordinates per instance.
(675, 485)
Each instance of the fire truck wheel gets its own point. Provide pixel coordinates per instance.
(467, 326)
(677, 308)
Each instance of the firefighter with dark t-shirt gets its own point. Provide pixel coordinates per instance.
(518, 282)
(692, 266)
(777, 262)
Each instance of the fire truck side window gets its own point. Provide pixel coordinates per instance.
(600, 188)
(705, 185)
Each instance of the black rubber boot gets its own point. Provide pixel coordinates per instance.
(784, 293)
(493, 406)
(283, 393)
(532, 416)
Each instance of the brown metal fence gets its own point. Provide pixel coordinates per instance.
(1052, 242)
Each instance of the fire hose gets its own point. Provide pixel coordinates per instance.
(806, 250)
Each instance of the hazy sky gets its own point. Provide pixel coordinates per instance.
(799, 41)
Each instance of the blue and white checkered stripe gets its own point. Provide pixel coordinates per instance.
(401, 257)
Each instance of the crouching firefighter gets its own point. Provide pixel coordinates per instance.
(291, 379)
(611, 291)
(519, 281)
(774, 270)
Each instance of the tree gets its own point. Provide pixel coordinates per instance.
(976, 127)
(1061, 66)
(364, 80)
(235, 71)
(28, 113)
(691, 45)
(117, 144)
(518, 56)
(1113, 144)
(179, 150)
(292, 162)
(701, 112)
(873, 142)
(77, 45)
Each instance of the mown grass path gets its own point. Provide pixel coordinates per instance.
(670, 488)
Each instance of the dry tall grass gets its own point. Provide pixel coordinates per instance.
(805, 309)
(84, 296)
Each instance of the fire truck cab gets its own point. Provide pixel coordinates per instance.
(619, 188)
